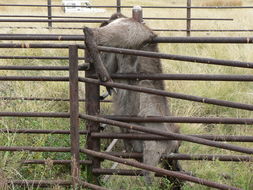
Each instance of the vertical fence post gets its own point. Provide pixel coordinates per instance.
(118, 6)
(74, 114)
(137, 13)
(92, 106)
(49, 12)
(188, 21)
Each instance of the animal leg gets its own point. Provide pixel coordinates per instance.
(151, 156)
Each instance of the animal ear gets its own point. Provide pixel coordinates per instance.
(112, 18)
(104, 23)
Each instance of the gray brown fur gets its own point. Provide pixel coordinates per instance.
(125, 32)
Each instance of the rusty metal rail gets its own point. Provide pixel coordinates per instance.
(35, 149)
(66, 37)
(176, 119)
(46, 99)
(170, 94)
(174, 156)
(129, 7)
(35, 114)
(168, 134)
(43, 68)
(107, 18)
(40, 131)
(37, 57)
(141, 136)
(52, 20)
(55, 162)
(158, 170)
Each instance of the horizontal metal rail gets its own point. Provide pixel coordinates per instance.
(37, 57)
(40, 131)
(35, 149)
(35, 114)
(233, 40)
(140, 136)
(42, 68)
(125, 51)
(55, 162)
(138, 53)
(46, 99)
(191, 77)
(154, 29)
(125, 172)
(40, 27)
(167, 119)
(174, 156)
(203, 60)
(134, 88)
(40, 183)
(34, 78)
(52, 20)
(35, 46)
(170, 94)
(168, 134)
(207, 157)
(42, 37)
(174, 119)
(29, 45)
(204, 30)
(195, 77)
(158, 170)
(130, 7)
(87, 17)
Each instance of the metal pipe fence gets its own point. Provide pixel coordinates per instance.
(93, 117)
(94, 170)
(50, 18)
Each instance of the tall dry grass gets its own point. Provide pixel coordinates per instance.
(222, 3)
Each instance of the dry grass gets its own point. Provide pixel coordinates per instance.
(222, 3)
